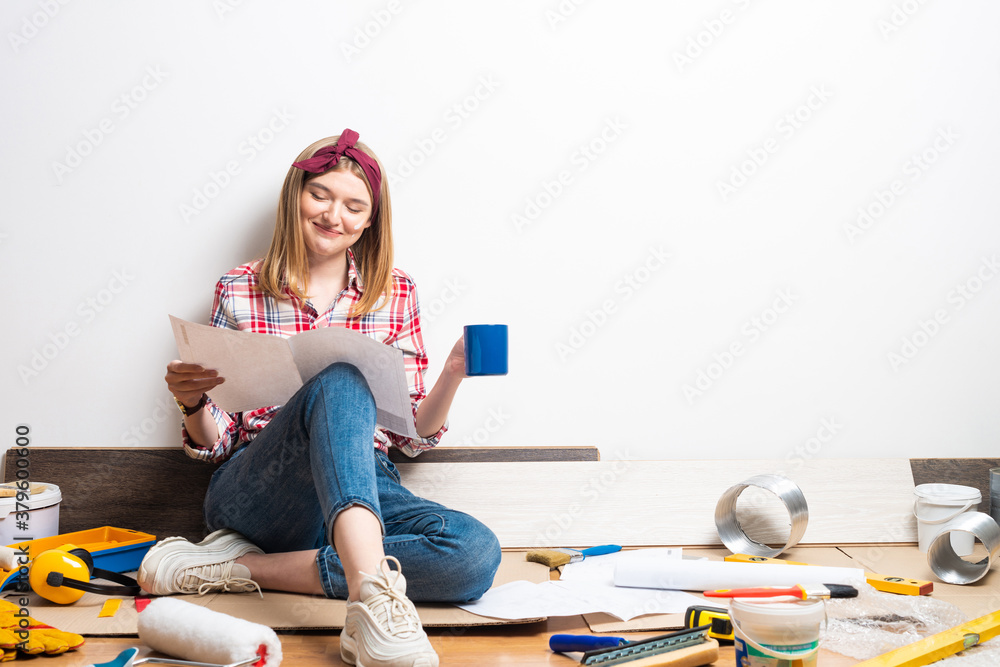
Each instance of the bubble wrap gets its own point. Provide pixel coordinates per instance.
(874, 623)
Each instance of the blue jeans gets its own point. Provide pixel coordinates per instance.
(316, 458)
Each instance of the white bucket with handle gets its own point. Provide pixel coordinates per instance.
(936, 505)
(769, 633)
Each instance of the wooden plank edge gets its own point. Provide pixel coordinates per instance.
(437, 455)
(500, 455)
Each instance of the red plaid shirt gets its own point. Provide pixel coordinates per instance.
(239, 305)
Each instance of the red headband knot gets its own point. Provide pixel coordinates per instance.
(327, 157)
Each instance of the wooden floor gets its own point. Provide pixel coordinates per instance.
(521, 645)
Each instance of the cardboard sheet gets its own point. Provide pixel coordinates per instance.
(281, 611)
(286, 611)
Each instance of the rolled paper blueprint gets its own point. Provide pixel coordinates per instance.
(704, 575)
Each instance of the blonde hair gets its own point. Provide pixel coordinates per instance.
(286, 264)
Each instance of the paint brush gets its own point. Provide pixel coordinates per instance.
(799, 591)
(557, 557)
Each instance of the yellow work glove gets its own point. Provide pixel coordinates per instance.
(40, 638)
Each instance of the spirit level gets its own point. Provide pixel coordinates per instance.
(879, 582)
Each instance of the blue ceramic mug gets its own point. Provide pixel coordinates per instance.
(486, 349)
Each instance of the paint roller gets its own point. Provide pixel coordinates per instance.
(200, 637)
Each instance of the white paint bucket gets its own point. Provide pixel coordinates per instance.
(936, 506)
(31, 518)
(777, 634)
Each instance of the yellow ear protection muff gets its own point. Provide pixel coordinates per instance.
(63, 575)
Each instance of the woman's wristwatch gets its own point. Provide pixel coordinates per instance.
(186, 411)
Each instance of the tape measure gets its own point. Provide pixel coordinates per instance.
(717, 618)
(879, 582)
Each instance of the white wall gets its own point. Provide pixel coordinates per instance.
(117, 115)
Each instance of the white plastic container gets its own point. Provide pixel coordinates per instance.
(936, 506)
(41, 518)
(777, 634)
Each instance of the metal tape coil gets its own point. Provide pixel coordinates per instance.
(730, 531)
(951, 567)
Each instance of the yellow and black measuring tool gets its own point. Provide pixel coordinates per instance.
(716, 618)
(879, 582)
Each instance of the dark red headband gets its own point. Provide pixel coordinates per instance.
(327, 157)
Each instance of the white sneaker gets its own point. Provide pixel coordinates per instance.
(174, 565)
(383, 629)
